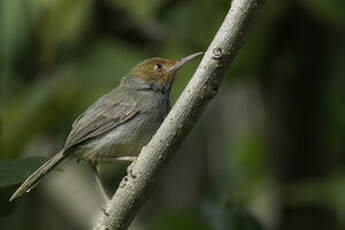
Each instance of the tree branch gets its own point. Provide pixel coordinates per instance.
(136, 187)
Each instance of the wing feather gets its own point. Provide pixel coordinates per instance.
(99, 119)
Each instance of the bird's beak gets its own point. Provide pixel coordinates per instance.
(183, 61)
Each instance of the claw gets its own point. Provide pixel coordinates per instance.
(103, 209)
(130, 169)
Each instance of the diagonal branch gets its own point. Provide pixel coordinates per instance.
(136, 187)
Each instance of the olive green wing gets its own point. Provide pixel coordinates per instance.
(99, 119)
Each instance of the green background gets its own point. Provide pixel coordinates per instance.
(268, 153)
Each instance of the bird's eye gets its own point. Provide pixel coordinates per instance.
(157, 67)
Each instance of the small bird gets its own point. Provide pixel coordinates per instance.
(119, 123)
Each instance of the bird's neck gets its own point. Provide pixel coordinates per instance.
(134, 83)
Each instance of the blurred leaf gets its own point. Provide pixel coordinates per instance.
(14, 34)
(15, 172)
(251, 154)
(54, 31)
(14, 31)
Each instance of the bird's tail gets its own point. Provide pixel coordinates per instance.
(35, 178)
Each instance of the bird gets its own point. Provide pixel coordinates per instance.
(119, 123)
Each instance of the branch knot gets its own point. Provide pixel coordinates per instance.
(217, 53)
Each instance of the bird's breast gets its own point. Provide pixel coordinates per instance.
(128, 138)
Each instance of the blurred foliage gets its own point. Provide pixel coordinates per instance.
(179, 220)
(332, 12)
(7, 208)
(271, 144)
(14, 172)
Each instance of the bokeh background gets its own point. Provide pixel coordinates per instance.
(268, 153)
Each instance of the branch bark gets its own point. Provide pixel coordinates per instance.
(135, 188)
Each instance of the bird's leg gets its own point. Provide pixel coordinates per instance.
(93, 166)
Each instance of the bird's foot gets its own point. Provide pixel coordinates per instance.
(130, 168)
(104, 210)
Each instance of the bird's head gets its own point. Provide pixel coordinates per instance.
(159, 72)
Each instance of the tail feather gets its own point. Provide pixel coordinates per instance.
(36, 177)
